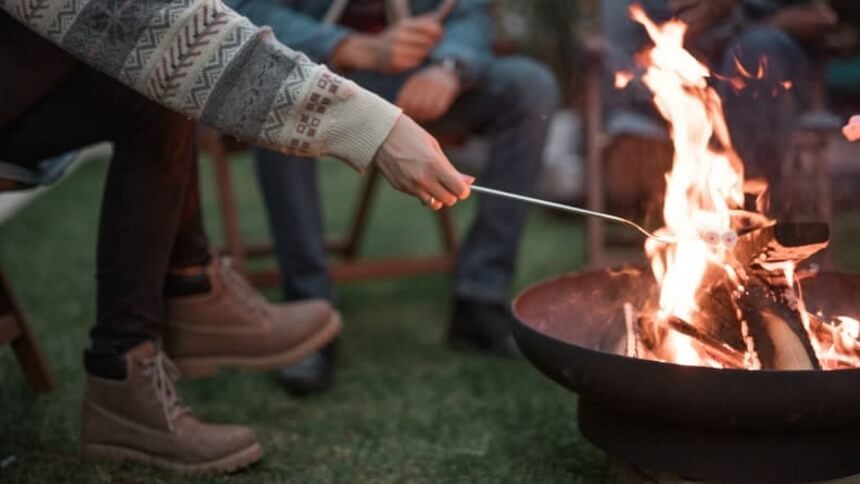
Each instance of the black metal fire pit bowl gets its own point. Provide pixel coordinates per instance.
(729, 425)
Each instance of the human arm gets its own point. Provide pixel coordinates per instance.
(207, 62)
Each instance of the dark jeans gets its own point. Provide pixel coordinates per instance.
(150, 217)
(511, 104)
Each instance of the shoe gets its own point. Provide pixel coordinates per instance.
(310, 376)
(232, 325)
(483, 327)
(141, 418)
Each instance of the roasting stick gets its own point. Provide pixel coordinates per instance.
(569, 208)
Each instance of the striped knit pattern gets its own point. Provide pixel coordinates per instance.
(202, 59)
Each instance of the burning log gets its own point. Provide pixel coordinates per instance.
(749, 317)
(776, 328)
(646, 334)
(716, 349)
(757, 311)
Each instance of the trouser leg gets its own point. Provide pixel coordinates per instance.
(291, 194)
(761, 116)
(512, 105)
(153, 158)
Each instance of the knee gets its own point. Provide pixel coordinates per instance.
(782, 52)
(525, 86)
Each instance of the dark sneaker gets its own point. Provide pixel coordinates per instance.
(484, 327)
(312, 375)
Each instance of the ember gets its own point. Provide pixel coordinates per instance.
(725, 300)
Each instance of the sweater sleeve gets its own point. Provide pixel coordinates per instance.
(202, 59)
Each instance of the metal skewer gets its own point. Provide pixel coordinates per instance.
(569, 208)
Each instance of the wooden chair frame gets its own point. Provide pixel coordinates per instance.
(351, 267)
(15, 330)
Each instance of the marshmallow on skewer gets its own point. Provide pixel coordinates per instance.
(852, 129)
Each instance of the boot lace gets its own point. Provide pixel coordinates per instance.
(162, 373)
(246, 294)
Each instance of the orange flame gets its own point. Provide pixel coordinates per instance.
(704, 193)
(706, 181)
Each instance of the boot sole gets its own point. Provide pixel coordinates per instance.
(199, 367)
(232, 463)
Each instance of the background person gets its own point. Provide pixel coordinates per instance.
(435, 60)
(731, 35)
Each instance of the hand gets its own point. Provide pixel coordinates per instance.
(402, 46)
(852, 129)
(429, 94)
(701, 15)
(805, 22)
(413, 162)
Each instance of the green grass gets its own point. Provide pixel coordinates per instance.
(405, 408)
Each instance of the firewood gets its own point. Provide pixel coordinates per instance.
(650, 333)
(718, 350)
(776, 328)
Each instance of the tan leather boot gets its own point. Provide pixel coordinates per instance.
(142, 419)
(234, 326)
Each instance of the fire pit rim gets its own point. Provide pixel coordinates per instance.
(685, 395)
(524, 293)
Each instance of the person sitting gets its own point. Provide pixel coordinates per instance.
(435, 60)
(735, 37)
(138, 77)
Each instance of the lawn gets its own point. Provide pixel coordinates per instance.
(405, 408)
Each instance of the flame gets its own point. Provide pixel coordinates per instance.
(706, 180)
(703, 210)
(623, 79)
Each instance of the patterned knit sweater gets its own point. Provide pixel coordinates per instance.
(202, 59)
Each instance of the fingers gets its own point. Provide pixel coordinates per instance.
(456, 184)
(410, 43)
(426, 26)
(852, 129)
(440, 193)
(415, 38)
(430, 201)
(444, 10)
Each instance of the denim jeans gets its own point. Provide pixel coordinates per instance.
(511, 104)
(150, 217)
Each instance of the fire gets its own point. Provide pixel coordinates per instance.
(703, 212)
(706, 181)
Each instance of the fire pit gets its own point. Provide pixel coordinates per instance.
(731, 358)
(705, 423)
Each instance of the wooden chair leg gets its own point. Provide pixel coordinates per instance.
(596, 230)
(233, 241)
(15, 330)
(448, 232)
(352, 246)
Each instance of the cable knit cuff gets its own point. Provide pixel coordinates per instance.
(360, 124)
